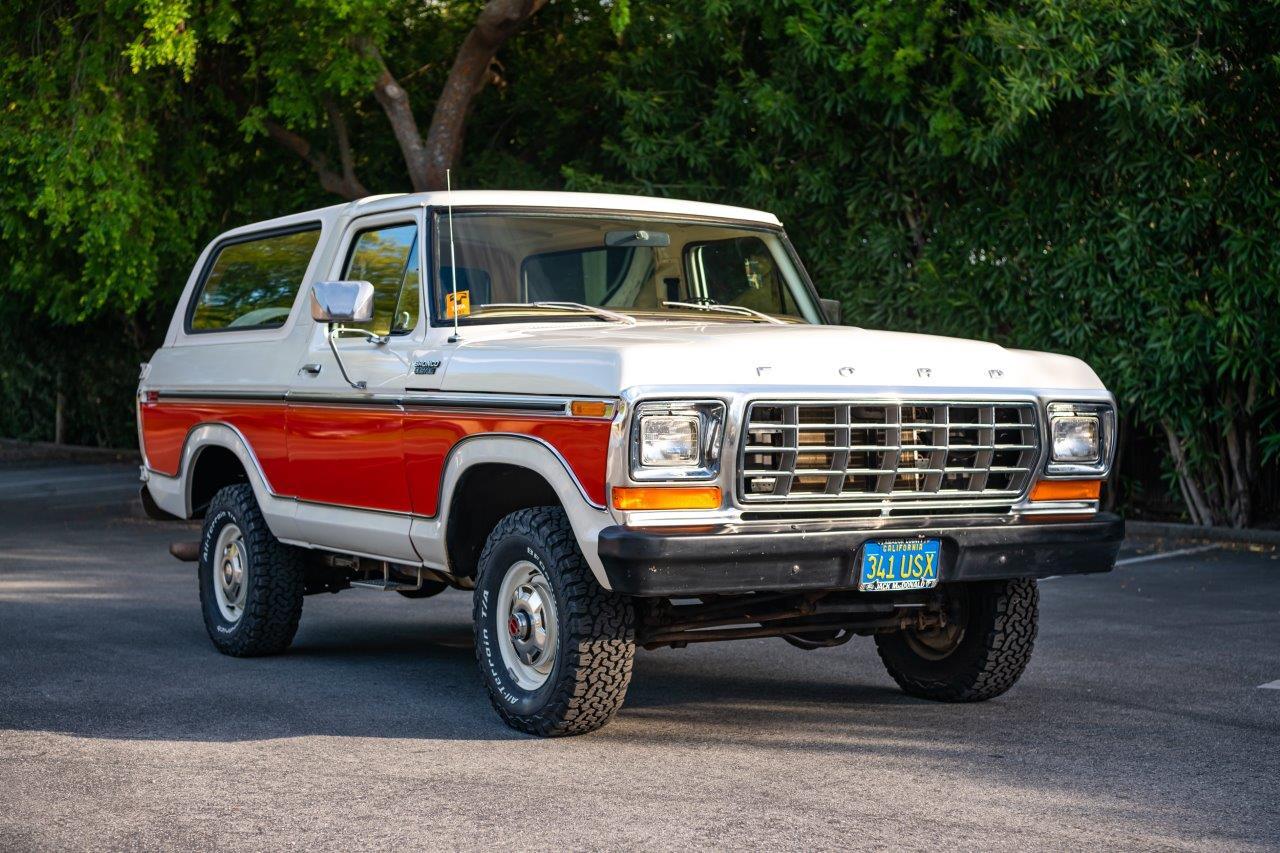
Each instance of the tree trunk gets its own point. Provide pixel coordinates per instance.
(1192, 495)
(498, 21)
(59, 413)
(395, 103)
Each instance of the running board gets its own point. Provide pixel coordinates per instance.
(388, 583)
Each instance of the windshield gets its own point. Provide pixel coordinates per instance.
(504, 263)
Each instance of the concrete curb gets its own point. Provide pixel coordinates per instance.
(1209, 534)
(12, 450)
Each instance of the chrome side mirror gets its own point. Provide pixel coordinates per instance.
(336, 302)
(342, 302)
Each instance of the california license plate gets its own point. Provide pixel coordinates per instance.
(893, 564)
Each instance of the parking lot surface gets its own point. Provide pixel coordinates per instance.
(1144, 720)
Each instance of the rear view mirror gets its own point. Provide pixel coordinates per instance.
(627, 239)
(342, 302)
(831, 310)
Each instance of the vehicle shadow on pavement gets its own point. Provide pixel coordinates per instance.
(382, 669)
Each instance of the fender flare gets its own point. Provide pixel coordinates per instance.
(173, 494)
(524, 451)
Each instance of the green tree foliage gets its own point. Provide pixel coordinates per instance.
(1087, 176)
(133, 133)
(1092, 177)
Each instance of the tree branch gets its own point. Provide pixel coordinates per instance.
(339, 122)
(345, 184)
(395, 103)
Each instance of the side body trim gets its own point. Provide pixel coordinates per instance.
(414, 398)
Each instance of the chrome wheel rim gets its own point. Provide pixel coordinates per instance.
(230, 573)
(526, 624)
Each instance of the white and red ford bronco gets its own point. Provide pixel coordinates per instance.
(621, 421)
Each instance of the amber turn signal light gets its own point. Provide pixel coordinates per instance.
(1067, 490)
(591, 409)
(666, 497)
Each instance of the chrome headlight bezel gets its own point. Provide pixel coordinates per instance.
(1103, 414)
(709, 416)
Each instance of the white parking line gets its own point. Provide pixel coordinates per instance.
(1181, 552)
(1270, 685)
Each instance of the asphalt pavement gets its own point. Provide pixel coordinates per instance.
(1144, 721)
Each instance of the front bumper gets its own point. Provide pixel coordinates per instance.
(793, 556)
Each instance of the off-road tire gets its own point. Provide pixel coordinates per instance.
(596, 630)
(999, 632)
(276, 575)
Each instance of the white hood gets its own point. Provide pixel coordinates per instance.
(593, 359)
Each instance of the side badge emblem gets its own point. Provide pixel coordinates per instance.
(924, 372)
(995, 373)
(846, 371)
(426, 368)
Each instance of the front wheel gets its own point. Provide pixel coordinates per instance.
(554, 647)
(980, 652)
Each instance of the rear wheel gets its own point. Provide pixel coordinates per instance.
(978, 654)
(251, 584)
(554, 647)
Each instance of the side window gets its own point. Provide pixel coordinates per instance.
(387, 257)
(251, 284)
(739, 271)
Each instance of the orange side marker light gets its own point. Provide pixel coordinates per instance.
(666, 497)
(591, 409)
(1067, 490)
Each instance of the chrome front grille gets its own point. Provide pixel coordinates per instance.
(838, 451)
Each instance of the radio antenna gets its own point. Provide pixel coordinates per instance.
(453, 259)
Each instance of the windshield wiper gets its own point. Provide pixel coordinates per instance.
(602, 313)
(740, 310)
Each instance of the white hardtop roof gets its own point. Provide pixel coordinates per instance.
(575, 201)
(520, 198)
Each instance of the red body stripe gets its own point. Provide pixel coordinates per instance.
(351, 456)
(429, 436)
(377, 458)
(165, 427)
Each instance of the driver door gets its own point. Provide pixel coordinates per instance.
(346, 444)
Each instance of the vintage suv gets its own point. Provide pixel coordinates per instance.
(621, 421)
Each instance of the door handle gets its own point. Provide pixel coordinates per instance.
(312, 369)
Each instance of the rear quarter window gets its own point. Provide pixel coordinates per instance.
(251, 282)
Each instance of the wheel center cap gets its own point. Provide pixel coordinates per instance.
(519, 625)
